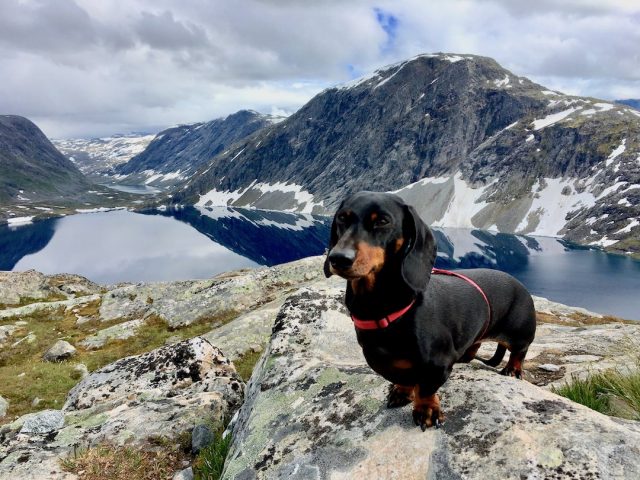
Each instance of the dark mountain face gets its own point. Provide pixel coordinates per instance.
(31, 169)
(469, 143)
(177, 152)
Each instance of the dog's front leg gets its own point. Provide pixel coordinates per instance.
(426, 403)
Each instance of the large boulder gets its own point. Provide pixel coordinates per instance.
(164, 393)
(314, 409)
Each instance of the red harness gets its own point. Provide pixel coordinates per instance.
(392, 317)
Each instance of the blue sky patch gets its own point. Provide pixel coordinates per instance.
(389, 24)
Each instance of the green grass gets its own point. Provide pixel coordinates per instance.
(245, 364)
(210, 461)
(612, 392)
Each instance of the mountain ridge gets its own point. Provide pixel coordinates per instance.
(459, 130)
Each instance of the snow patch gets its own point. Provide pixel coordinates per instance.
(463, 206)
(632, 224)
(19, 220)
(502, 83)
(617, 152)
(553, 118)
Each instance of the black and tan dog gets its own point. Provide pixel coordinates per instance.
(413, 326)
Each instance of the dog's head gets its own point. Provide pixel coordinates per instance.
(375, 231)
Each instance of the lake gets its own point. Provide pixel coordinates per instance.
(190, 243)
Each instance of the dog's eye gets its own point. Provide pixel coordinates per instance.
(381, 222)
(342, 217)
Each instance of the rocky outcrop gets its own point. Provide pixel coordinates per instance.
(315, 410)
(31, 286)
(182, 303)
(158, 395)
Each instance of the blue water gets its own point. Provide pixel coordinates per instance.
(191, 243)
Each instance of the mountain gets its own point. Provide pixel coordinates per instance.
(631, 102)
(176, 153)
(99, 156)
(31, 169)
(468, 142)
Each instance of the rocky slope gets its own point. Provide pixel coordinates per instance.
(472, 144)
(31, 169)
(176, 153)
(99, 156)
(312, 408)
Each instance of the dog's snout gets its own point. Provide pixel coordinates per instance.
(342, 259)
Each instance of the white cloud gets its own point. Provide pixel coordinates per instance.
(92, 68)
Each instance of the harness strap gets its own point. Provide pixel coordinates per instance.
(384, 322)
(439, 271)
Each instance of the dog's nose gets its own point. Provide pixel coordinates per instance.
(342, 259)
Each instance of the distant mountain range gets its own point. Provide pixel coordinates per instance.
(99, 156)
(31, 169)
(467, 141)
(176, 153)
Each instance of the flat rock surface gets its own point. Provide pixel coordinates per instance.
(314, 409)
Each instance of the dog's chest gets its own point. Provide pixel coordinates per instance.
(392, 362)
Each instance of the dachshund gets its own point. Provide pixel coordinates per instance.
(414, 325)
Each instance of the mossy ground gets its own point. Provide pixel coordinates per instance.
(25, 376)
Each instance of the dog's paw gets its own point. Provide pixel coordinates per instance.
(511, 372)
(425, 417)
(399, 396)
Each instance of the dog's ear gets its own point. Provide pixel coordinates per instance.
(419, 254)
(333, 239)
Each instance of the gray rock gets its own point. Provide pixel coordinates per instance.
(43, 422)
(201, 437)
(214, 300)
(35, 402)
(549, 367)
(4, 405)
(186, 474)
(121, 331)
(6, 331)
(61, 350)
(34, 286)
(314, 409)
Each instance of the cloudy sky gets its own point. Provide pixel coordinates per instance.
(91, 68)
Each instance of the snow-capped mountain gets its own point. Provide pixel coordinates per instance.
(99, 156)
(467, 141)
(177, 152)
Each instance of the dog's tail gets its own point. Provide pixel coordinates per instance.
(497, 357)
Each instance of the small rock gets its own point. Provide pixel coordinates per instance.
(80, 370)
(61, 350)
(549, 367)
(186, 474)
(201, 437)
(4, 405)
(21, 323)
(21, 374)
(35, 402)
(43, 422)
